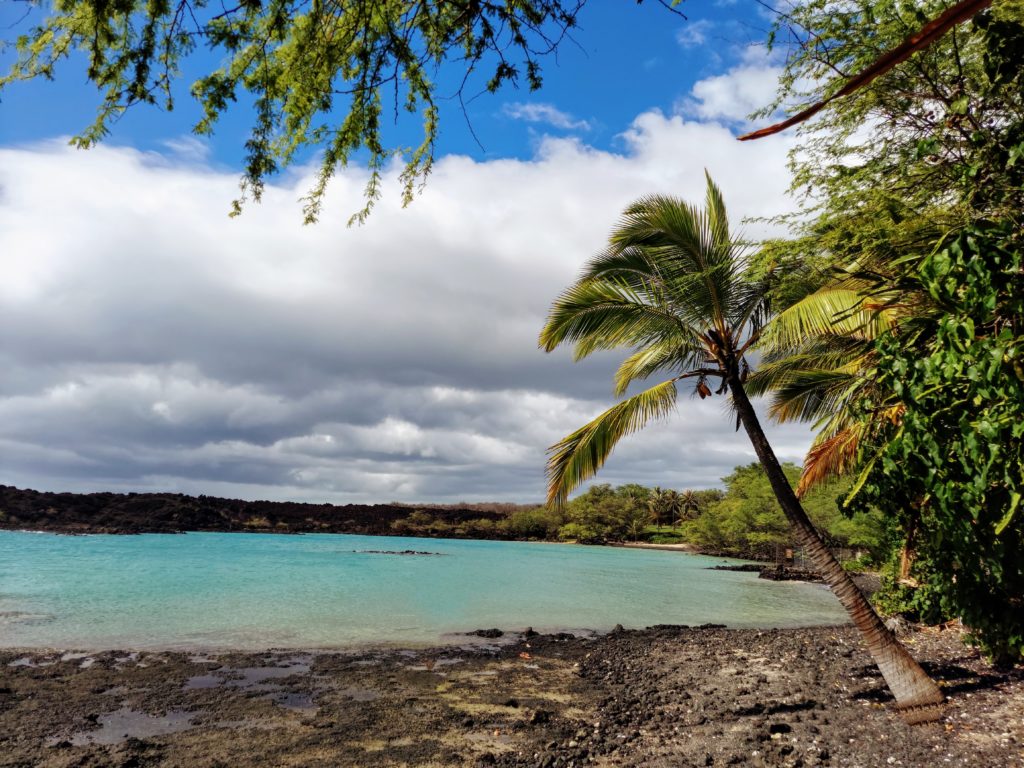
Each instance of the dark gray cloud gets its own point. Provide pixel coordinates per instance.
(149, 341)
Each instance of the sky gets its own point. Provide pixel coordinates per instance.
(150, 342)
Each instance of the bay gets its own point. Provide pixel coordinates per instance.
(257, 591)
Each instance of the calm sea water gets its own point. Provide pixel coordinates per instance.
(252, 591)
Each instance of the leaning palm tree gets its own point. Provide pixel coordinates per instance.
(671, 285)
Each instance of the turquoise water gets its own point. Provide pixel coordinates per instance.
(250, 591)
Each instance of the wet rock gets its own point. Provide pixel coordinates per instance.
(789, 574)
(491, 634)
(397, 552)
(743, 568)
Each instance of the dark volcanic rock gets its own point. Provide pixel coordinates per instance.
(780, 573)
(743, 568)
(667, 696)
(488, 633)
(771, 572)
(396, 552)
(176, 513)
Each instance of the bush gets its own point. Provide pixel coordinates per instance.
(536, 523)
(951, 475)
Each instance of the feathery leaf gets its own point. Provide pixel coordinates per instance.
(577, 457)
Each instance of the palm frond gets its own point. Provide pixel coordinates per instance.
(660, 221)
(604, 314)
(629, 265)
(718, 221)
(751, 309)
(671, 354)
(831, 311)
(813, 394)
(838, 448)
(828, 354)
(578, 456)
(691, 247)
(831, 457)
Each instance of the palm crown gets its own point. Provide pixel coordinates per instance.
(672, 284)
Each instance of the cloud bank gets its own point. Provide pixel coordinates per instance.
(150, 342)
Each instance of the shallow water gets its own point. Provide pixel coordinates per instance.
(115, 727)
(249, 591)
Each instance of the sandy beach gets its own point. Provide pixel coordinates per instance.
(665, 696)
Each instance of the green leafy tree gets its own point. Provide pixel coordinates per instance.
(672, 286)
(952, 471)
(319, 74)
(605, 514)
(919, 179)
(900, 149)
(538, 523)
(594, 516)
(748, 521)
(922, 149)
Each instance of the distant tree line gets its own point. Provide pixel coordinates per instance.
(743, 520)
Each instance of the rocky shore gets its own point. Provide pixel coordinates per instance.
(665, 696)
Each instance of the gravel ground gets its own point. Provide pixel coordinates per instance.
(665, 696)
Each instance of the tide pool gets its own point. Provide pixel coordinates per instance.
(255, 591)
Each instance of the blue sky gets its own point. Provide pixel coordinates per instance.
(623, 59)
(151, 342)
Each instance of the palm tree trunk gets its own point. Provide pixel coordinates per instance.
(917, 696)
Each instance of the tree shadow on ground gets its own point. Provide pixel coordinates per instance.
(955, 679)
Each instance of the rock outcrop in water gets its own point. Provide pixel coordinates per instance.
(397, 552)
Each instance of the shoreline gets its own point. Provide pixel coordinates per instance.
(661, 696)
(478, 640)
(689, 549)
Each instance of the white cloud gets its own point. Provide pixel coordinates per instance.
(151, 342)
(694, 33)
(747, 87)
(547, 114)
(189, 149)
